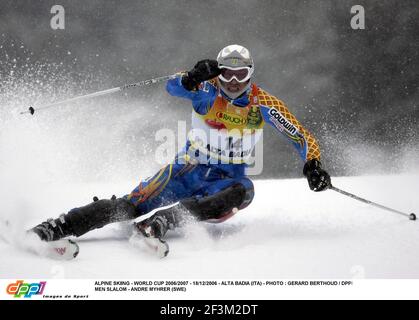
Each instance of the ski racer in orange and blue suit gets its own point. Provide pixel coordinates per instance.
(208, 179)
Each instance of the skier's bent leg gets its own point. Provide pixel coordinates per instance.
(79, 221)
(229, 199)
(213, 208)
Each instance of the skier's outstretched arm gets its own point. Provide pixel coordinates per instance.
(194, 85)
(276, 113)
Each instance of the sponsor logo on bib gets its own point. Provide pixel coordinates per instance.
(230, 118)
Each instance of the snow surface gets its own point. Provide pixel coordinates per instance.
(287, 232)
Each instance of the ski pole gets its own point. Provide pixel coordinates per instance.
(411, 216)
(32, 110)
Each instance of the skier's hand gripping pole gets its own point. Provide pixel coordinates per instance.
(318, 178)
(32, 110)
(411, 216)
(202, 71)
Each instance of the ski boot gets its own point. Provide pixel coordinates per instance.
(153, 229)
(53, 245)
(53, 229)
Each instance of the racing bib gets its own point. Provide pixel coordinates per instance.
(227, 133)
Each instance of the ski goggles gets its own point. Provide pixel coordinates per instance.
(241, 74)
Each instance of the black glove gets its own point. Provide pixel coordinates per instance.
(318, 179)
(204, 70)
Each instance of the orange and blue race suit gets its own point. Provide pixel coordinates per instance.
(212, 162)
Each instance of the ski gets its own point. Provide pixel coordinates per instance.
(64, 249)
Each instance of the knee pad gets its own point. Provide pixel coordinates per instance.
(250, 192)
(220, 204)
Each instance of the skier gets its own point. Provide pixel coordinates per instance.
(206, 181)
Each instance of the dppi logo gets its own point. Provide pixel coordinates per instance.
(27, 290)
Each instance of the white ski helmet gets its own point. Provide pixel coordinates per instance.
(236, 63)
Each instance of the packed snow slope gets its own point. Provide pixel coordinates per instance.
(287, 232)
